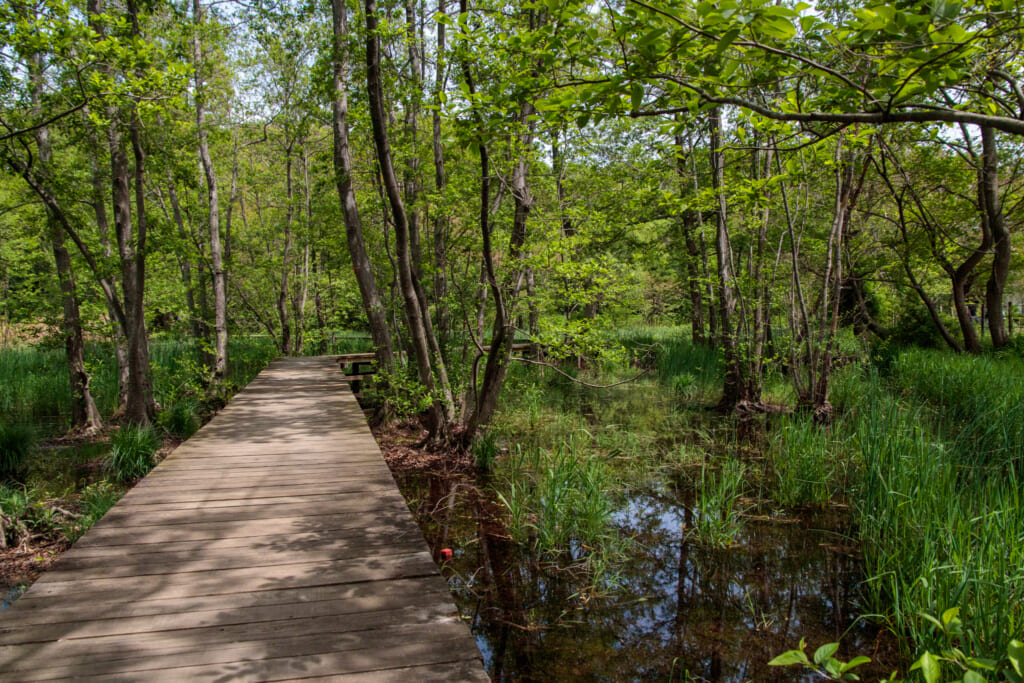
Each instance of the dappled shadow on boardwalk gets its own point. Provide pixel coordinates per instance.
(273, 544)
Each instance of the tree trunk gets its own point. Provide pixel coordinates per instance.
(85, 418)
(993, 208)
(440, 182)
(141, 406)
(286, 262)
(99, 205)
(438, 414)
(183, 262)
(733, 393)
(376, 313)
(220, 297)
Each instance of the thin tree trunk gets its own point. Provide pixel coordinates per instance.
(85, 418)
(440, 182)
(376, 313)
(286, 262)
(220, 297)
(993, 208)
(183, 262)
(141, 406)
(99, 204)
(733, 388)
(690, 223)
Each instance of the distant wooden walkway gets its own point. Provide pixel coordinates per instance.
(272, 545)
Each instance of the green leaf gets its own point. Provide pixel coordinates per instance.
(855, 662)
(950, 614)
(974, 677)
(725, 41)
(930, 666)
(934, 620)
(636, 95)
(790, 658)
(1015, 653)
(825, 652)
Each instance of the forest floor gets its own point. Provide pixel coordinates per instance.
(399, 443)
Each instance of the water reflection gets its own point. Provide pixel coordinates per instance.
(679, 611)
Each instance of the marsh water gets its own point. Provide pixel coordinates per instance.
(668, 611)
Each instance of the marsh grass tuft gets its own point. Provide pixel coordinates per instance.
(717, 507)
(809, 463)
(131, 453)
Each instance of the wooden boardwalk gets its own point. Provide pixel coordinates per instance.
(272, 545)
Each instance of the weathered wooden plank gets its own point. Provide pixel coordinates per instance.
(379, 500)
(111, 535)
(466, 670)
(227, 608)
(400, 564)
(183, 494)
(185, 562)
(260, 659)
(134, 638)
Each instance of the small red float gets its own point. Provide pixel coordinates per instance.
(446, 554)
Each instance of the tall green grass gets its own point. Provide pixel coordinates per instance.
(809, 462)
(36, 391)
(938, 497)
(978, 401)
(717, 508)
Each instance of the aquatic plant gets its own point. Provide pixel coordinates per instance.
(809, 462)
(485, 450)
(131, 452)
(558, 501)
(717, 508)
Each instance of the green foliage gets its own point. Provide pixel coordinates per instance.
(558, 503)
(486, 450)
(937, 499)
(948, 664)
(404, 395)
(16, 444)
(131, 453)
(181, 419)
(36, 390)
